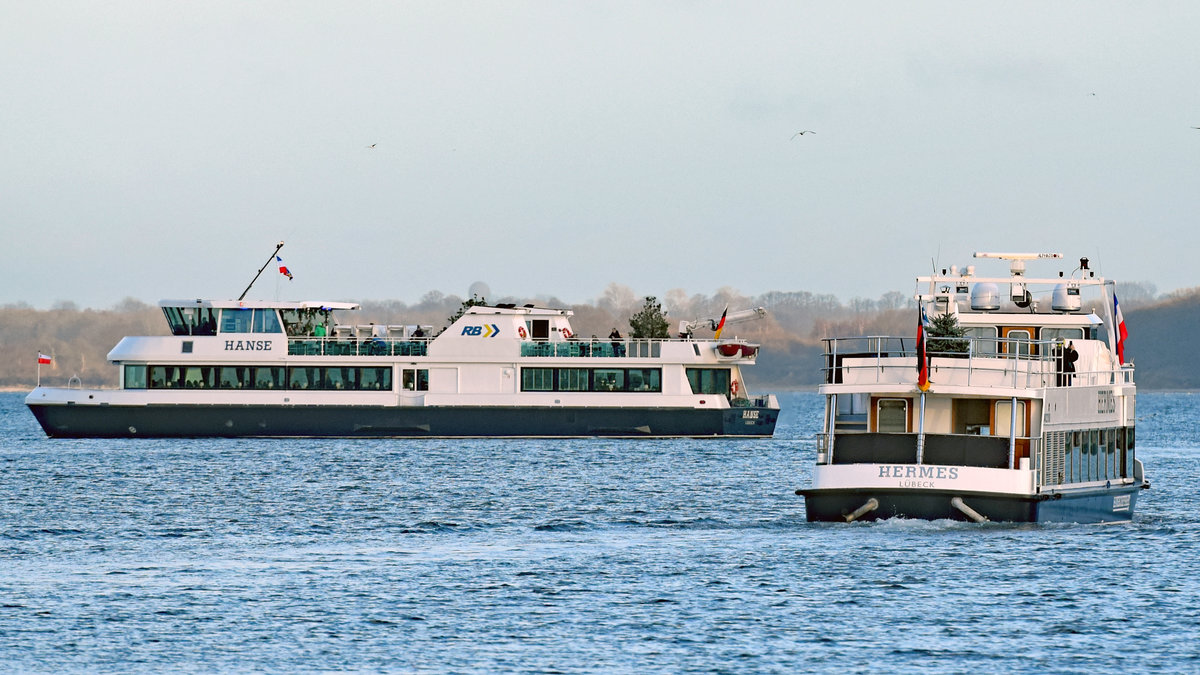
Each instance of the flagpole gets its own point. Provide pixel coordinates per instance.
(260, 270)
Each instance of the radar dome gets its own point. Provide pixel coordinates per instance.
(985, 297)
(1065, 298)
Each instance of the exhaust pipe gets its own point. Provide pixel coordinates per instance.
(969, 512)
(866, 508)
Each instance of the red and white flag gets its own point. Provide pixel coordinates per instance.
(44, 360)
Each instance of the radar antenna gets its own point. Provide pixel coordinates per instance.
(260, 270)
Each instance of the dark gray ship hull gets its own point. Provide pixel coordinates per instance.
(232, 421)
(1099, 505)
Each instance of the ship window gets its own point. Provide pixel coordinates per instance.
(1003, 424)
(418, 380)
(236, 320)
(609, 379)
(166, 377)
(1060, 333)
(135, 377)
(233, 377)
(645, 379)
(539, 329)
(573, 379)
(268, 377)
(535, 379)
(1017, 342)
(375, 379)
(983, 340)
(340, 378)
(191, 320)
(304, 378)
(709, 380)
(891, 415)
(266, 321)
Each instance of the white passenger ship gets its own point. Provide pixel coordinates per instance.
(1029, 416)
(253, 368)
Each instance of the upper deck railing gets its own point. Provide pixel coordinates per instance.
(987, 362)
(389, 346)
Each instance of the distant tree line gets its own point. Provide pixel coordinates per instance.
(80, 339)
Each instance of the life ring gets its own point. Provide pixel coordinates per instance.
(521, 332)
(566, 332)
(734, 388)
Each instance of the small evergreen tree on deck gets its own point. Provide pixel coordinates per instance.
(467, 304)
(945, 335)
(650, 322)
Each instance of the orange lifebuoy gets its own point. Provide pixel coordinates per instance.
(521, 332)
(734, 388)
(566, 332)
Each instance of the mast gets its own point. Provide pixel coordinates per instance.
(260, 270)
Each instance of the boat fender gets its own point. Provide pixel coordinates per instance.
(867, 507)
(521, 332)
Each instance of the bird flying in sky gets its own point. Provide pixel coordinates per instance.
(801, 133)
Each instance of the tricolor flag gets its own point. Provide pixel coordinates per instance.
(1122, 333)
(721, 324)
(44, 360)
(283, 268)
(922, 359)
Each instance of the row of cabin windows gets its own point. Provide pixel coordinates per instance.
(987, 344)
(892, 417)
(591, 379)
(1098, 454)
(298, 378)
(206, 320)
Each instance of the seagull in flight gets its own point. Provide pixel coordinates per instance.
(372, 145)
(801, 133)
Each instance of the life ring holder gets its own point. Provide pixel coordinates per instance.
(521, 332)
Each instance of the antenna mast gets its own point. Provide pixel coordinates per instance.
(260, 270)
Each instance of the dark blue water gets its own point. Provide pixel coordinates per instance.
(562, 556)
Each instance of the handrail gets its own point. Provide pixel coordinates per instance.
(1019, 362)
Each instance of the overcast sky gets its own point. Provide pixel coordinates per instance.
(161, 149)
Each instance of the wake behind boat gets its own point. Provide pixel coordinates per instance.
(254, 368)
(1023, 410)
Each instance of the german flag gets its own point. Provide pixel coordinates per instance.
(922, 357)
(721, 324)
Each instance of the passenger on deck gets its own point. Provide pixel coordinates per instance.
(319, 330)
(614, 336)
(418, 333)
(1065, 358)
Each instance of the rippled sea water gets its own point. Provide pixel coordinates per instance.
(563, 556)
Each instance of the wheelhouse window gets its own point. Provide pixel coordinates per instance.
(983, 339)
(1060, 334)
(645, 379)
(891, 415)
(266, 321)
(191, 320)
(237, 320)
(307, 321)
